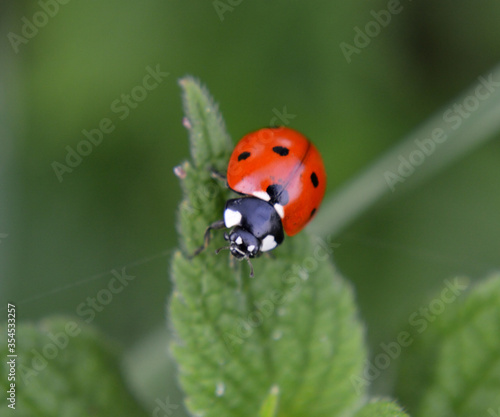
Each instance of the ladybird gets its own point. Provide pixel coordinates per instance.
(281, 177)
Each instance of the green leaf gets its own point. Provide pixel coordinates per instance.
(293, 327)
(453, 366)
(381, 409)
(270, 405)
(208, 137)
(211, 148)
(65, 368)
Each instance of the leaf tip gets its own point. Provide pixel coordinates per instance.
(269, 407)
(187, 79)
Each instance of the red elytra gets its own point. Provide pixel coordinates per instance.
(282, 166)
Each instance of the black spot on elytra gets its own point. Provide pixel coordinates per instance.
(314, 179)
(242, 156)
(278, 194)
(312, 212)
(281, 150)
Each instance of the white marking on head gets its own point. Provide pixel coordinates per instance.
(239, 240)
(238, 250)
(268, 243)
(232, 218)
(262, 195)
(251, 248)
(280, 210)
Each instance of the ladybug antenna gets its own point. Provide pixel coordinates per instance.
(246, 257)
(222, 248)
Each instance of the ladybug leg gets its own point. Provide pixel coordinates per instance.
(232, 261)
(219, 224)
(250, 265)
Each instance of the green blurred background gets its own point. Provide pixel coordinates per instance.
(258, 58)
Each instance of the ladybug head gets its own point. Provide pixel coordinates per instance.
(242, 243)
